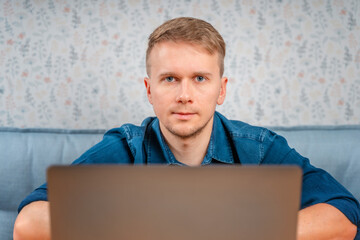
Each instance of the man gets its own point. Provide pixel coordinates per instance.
(185, 64)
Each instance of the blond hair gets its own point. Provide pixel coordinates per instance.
(192, 30)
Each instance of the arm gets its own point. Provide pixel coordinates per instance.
(323, 221)
(327, 207)
(33, 222)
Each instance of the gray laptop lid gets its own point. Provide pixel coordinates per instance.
(162, 202)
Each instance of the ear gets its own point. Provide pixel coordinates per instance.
(148, 90)
(222, 94)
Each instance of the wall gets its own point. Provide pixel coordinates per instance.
(80, 64)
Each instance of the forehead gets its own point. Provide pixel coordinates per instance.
(182, 56)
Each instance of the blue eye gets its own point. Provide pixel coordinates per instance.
(170, 79)
(200, 79)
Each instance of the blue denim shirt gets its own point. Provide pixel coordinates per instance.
(231, 142)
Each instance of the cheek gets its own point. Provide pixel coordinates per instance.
(161, 96)
(160, 101)
(208, 102)
(211, 96)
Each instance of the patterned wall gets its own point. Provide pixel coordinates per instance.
(80, 64)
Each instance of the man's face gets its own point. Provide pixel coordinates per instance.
(184, 87)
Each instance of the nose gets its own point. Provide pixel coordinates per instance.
(185, 92)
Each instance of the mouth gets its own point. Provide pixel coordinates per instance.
(183, 115)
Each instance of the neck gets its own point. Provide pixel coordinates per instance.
(190, 151)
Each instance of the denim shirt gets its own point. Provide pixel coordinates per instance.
(231, 142)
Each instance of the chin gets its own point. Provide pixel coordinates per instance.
(185, 132)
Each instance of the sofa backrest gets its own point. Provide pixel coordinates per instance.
(26, 153)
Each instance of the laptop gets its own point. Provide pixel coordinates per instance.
(168, 202)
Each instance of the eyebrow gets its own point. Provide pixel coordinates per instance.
(165, 74)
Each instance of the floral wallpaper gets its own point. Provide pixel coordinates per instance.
(80, 64)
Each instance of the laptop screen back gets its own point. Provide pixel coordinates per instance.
(162, 202)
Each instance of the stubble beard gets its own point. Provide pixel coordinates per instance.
(192, 133)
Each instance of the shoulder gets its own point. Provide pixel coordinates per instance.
(253, 144)
(120, 144)
(241, 130)
(129, 131)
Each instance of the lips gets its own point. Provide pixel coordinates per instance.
(184, 115)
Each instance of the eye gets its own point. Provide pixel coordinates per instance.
(200, 79)
(170, 79)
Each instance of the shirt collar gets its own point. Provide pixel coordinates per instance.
(219, 149)
(157, 150)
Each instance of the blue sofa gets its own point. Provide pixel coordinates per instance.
(26, 153)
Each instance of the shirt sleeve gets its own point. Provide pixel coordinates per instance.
(39, 194)
(318, 186)
(113, 149)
